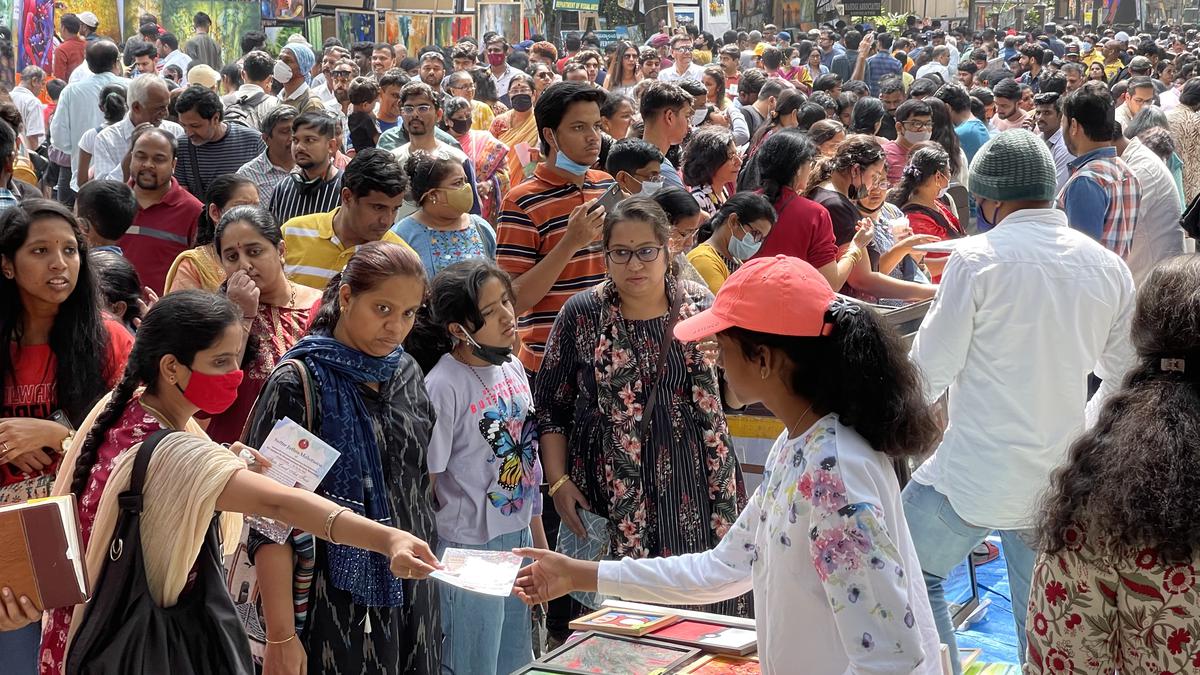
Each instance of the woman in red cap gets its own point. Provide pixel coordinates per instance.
(823, 543)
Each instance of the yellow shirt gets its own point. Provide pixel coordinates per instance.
(710, 265)
(314, 253)
(481, 116)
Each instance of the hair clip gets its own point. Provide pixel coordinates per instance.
(1172, 365)
(841, 308)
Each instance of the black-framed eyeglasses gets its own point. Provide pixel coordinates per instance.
(622, 256)
(918, 126)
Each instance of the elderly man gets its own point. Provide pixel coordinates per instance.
(294, 71)
(25, 98)
(77, 111)
(148, 104)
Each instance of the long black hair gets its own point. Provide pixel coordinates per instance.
(78, 338)
(266, 225)
(182, 324)
(944, 133)
(118, 281)
(453, 298)
(1130, 477)
(927, 160)
(777, 162)
(860, 371)
(220, 191)
(747, 206)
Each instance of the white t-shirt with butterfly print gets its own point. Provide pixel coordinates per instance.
(483, 451)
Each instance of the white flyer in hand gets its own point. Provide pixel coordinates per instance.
(298, 459)
(487, 572)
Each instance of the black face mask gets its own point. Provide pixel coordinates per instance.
(521, 102)
(460, 126)
(497, 356)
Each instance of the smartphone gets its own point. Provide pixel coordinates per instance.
(609, 200)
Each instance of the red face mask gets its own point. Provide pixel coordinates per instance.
(212, 393)
(495, 59)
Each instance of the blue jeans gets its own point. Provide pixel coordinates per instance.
(484, 633)
(19, 650)
(944, 540)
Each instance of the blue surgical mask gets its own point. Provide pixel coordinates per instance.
(984, 223)
(744, 247)
(564, 163)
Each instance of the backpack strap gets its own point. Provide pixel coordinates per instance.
(310, 394)
(130, 500)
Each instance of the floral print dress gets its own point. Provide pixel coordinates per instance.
(827, 551)
(1095, 611)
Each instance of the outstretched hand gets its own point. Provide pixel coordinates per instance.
(552, 575)
(411, 557)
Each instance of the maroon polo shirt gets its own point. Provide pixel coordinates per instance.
(802, 230)
(160, 233)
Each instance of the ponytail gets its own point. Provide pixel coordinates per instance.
(749, 207)
(927, 159)
(330, 310)
(861, 372)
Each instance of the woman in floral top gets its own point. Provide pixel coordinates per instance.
(671, 485)
(1114, 589)
(823, 543)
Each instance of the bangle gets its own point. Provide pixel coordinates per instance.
(333, 515)
(283, 641)
(557, 484)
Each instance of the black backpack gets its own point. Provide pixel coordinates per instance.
(240, 110)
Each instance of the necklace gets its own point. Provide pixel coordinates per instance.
(166, 421)
(799, 419)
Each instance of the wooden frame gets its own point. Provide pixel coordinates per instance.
(589, 622)
(707, 662)
(684, 654)
(740, 649)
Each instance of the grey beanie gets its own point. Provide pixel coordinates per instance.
(1014, 166)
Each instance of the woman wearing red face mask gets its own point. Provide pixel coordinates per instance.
(185, 360)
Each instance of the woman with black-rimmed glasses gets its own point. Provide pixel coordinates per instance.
(633, 439)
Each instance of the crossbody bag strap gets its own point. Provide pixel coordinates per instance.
(309, 393)
(131, 499)
(664, 350)
(195, 169)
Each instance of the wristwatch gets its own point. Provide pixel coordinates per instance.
(67, 440)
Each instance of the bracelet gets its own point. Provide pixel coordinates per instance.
(283, 641)
(329, 523)
(557, 484)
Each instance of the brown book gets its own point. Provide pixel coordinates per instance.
(42, 555)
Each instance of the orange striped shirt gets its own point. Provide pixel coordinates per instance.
(533, 218)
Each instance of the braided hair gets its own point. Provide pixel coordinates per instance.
(181, 324)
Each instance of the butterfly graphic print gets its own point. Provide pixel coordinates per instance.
(512, 435)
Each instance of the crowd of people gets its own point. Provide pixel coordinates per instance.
(499, 277)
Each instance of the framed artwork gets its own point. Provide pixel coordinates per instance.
(539, 669)
(709, 636)
(502, 17)
(602, 653)
(464, 26)
(420, 31)
(283, 10)
(133, 10)
(107, 11)
(277, 35)
(685, 14)
(231, 20)
(35, 34)
(355, 26)
(623, 622)
(724, 664)
(316, 35)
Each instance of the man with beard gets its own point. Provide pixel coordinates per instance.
(166, 220)
(252, 101)
(383, 59)
(1048, 115)
(148, 104)
(433, 69)
(276, 162)
(315, 184)
(212, 146)
(891, 94)
(322, 86)
(421, 112)
(340, 76)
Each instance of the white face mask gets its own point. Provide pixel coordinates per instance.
(914, 137)
(649, 187)
(795, 63)
(282, 73)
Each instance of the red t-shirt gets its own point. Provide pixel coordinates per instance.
(923, 223)
(160, 233)
(31, 390)
(67, 56)
(897, 159)
(802, 230)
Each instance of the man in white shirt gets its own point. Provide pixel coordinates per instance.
(78, 108)
(1024, 313)
(169, 53)
(1158, 235)
(148, 104)
(321, 85)
(1048, 115)
(25, 97)
(939, 65)
(683, 69)
(498, 68)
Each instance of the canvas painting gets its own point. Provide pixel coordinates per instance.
(723, 664)
(355, 26)
(284, 10)
(8, 71)
(396, 27)
(709, 636)
(231, 20)
(134, 9)
(107, 11)
(600, 653)
(315, 35)
(443, 31)
(623, 622)
(464, 26)
(504, 18)
(420, 31)
(35, 34)
(277, 36)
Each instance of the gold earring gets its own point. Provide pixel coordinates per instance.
(764, 374)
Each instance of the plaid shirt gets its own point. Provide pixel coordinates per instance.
(1101, 199)
(878, 67)
(7, 199)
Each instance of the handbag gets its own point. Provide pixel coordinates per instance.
(594, 545)
(1190, 220)
(242, 579)
(124, 632)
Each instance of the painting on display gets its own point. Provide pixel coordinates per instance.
(420, 31)
(7, 51)
(106, 11)
(231, 20)
(396, 28)
(35, 34)
(464, 26)
(283, 10)
(354, 26)
(315, 35)
(503, 18)
(443, 31)
(277, 36)
(134, 9)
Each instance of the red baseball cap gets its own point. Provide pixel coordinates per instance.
(780, 296)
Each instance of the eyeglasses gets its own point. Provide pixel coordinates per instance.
(622, 256)
(682, 48)
(424, 109)
(341, 74)
(754, 234)
(470, 86)
(918, 126)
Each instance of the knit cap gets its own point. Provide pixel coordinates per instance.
(304, 58)
(1014, 166)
